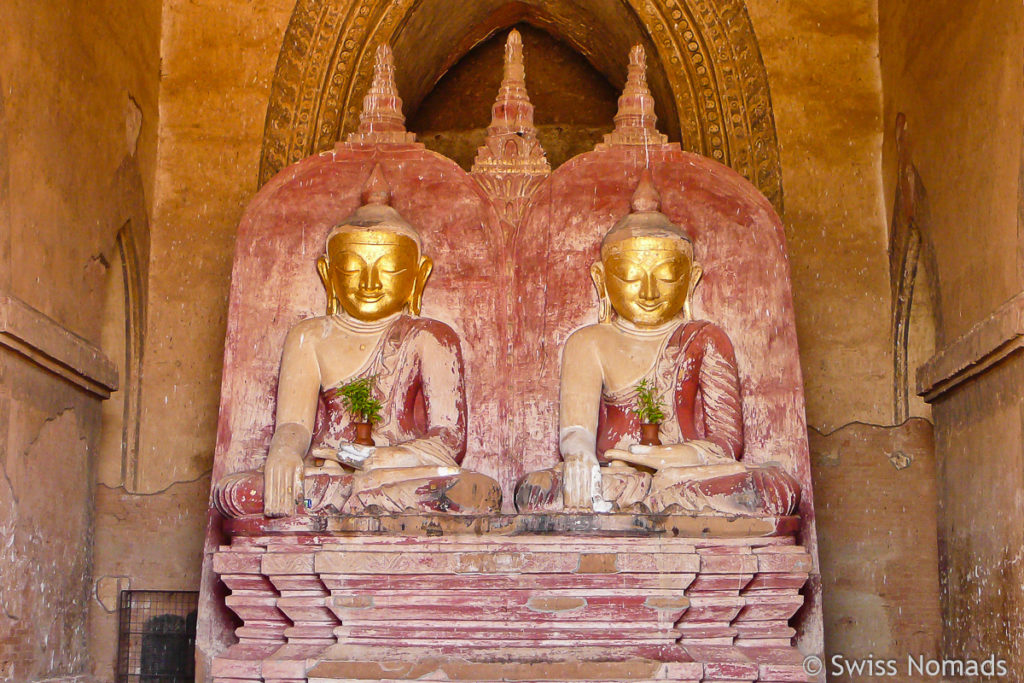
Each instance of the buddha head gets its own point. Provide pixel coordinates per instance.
(372, 265)
(646, 274)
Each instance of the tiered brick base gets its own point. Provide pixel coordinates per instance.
(598, 598)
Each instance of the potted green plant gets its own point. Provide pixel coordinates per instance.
(357, 398)
(649, 410)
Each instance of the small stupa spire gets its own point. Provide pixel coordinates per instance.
(381, 119)
(511, 142)
(635, 122)
(511, 163)
(512, 111)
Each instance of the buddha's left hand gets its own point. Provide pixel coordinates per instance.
(377, 457)
(354, 455)
(399, 455)
(671, 455)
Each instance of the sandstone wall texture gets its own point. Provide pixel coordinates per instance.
(78, 112)
(826, 93)
(875, 490)
(145, 541)
(46, 546)
(216, 60)
(958, 74)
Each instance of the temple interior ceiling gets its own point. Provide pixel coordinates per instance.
(707, 74)
(601, 32)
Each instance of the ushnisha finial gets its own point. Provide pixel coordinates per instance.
(381, 119)
(376, 212)
(645, 218)
(645, 197)
(635, 121)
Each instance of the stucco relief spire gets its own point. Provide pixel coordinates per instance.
(375, 190)
(635, 122)
(381, 119)
(511, 163)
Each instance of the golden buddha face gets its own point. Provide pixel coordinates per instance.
(372, 274)
(648, 280)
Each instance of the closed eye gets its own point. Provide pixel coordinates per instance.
(669, 272)
(627, 275)
(351, 264)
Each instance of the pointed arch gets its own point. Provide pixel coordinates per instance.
(120, 458)
(912, 274)
(709, 79)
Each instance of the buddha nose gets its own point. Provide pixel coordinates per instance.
(648, 288)
(370, 280)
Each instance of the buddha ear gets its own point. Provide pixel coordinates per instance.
(604, 313)
(323, 270)
(695, 274)
(416, 298)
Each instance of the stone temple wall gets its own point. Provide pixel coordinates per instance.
(78, 112)
(958, 76)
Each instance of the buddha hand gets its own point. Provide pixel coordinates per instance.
(581, 484)
(690, 454)
(282, 482)
(354, 455)
(578, 481)
(283, 475)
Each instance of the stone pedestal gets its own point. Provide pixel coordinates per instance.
(513, 598)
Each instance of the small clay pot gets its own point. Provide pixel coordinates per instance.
(649, 434)
(364, 432)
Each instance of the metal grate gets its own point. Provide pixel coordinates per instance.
(157, 636)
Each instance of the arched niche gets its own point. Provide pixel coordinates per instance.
(121, 340)
(705, 69)
(120, 461)
(913, 282)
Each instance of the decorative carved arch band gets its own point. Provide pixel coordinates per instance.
(708, 75)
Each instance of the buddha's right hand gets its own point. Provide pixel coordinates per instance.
(282, 483)
(581, 482)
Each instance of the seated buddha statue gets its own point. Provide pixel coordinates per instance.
(374, 274)
(645, 280)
